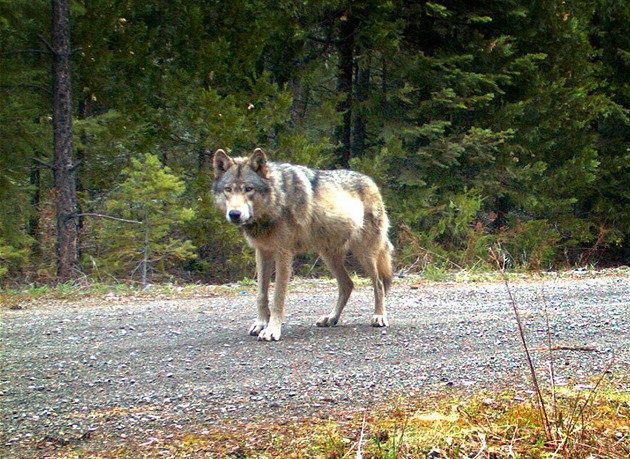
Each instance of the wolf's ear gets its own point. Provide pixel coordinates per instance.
(221, 162)
(258, 162)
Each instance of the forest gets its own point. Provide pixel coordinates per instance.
(498, 130)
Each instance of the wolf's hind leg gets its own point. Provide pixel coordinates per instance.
(335, 261)
(369, 262)
(264, 267)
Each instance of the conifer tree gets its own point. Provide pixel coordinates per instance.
(140, 236)
(483, 122)
(64, 167)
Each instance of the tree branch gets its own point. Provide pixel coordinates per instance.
(109, 217)
(25, 85)
(325, 41)
(44, 163)
(181, 139)
(51, 50)
(75, 165)
(25, 51)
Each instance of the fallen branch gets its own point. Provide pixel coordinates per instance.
(567, 348)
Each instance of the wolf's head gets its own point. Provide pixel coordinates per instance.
(240, 185)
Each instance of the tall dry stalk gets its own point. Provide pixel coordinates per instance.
(560, 429)
(542, 405)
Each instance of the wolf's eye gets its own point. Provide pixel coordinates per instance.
(227, 189)
(248, 188)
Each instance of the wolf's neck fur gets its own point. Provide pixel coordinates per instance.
(259, 228)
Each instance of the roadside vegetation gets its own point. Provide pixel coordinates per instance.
(587, 421)
(23, 296)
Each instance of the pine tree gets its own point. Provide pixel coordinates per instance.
(147, 209)
(64, 167)
(483, 122)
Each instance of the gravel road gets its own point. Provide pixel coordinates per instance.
(121, 369)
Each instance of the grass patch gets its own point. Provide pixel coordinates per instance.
(481, 425)
(94, 293)
(25, 296)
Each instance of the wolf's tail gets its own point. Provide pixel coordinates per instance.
(385, 266)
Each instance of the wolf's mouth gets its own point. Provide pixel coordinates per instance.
(241, 222)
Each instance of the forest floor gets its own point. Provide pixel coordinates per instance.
(162, 374)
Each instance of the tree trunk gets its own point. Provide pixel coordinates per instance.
(347, 32)
(33, 221)
(146, 251)
(362, 91)
(63, 166)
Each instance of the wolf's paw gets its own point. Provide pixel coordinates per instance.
(270, 333)
(256, 328)
(326, 321)
(379, 321)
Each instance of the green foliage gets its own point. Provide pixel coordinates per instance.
(530, 245)
(456, 237)
(12, 257)
(222, 253)
(15, 243)
(142, 238)
(483, 123)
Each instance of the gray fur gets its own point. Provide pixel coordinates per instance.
(285, 209)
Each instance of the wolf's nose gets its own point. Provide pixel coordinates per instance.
(234, 215)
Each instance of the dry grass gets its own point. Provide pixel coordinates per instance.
(480, 425)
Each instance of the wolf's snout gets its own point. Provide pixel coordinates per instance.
(234, 216)
(238, 215)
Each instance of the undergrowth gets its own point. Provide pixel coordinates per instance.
(17, 297)
(481, 425)
(93, 292)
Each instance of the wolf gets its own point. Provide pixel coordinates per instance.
(286, 209)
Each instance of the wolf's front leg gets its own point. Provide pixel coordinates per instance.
(264, 267)
(283, 273)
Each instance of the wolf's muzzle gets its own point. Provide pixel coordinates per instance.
(235, 216)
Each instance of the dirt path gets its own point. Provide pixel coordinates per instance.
(120, 370)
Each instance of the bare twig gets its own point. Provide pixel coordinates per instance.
(532, 369)
(578, 412)
(484, 445)
(75, 165)
(43, 163)
(359, 454)
(35, 87)
(109, 217)
(541, 401)
(49, 47)
(404, 271)
(552, 370)
(567, 348)
(25, 51)
(313, 266)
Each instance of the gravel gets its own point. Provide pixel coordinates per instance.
(120, 369)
